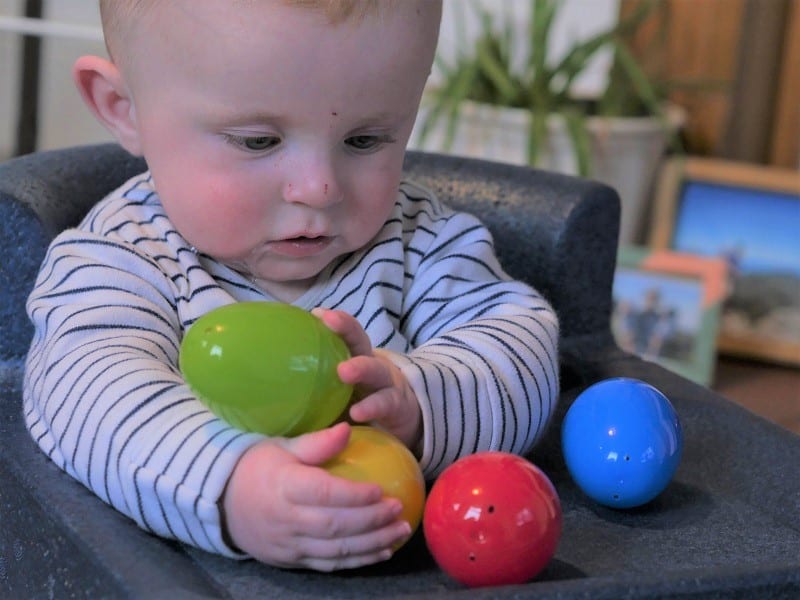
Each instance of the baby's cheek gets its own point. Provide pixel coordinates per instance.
(217, 217)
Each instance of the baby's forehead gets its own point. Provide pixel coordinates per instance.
(222, 40)
(117, 12)
(124, 20)
(119, 15)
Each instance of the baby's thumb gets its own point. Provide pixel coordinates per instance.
(320, 446)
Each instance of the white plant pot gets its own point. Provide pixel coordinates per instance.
(625, 152)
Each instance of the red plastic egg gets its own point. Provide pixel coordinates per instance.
(492, 518)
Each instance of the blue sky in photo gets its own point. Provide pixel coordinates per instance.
(682, 294)
(765, 226)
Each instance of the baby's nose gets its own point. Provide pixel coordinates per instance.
(314, 186)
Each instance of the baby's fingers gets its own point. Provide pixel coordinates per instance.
(321, 489)
(348, 328)
(357, 550)
(327, 565)
(332, 524)
(367, 372)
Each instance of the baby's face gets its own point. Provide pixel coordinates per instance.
(275, 139)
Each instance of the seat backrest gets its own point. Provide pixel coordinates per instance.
(42, 194)
(559, 233)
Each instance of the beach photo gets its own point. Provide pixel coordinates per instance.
(753, 224)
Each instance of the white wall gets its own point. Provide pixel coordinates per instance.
(64, 120)
(9, 76)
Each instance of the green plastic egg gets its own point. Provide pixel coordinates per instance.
(266, 367)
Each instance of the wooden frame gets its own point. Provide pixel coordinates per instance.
(741, 212)
(743, 57)
(667, 309)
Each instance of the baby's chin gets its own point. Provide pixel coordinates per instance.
(287, 285)
(284, 291)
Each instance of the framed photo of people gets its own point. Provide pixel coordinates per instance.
(749, 216)
(666, 309)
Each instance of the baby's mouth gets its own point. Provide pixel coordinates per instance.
(301, 246)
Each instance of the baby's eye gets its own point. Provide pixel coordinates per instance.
(256, 143)
(262, 142)
(367, 142)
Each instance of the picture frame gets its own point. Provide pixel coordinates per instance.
(666, 309)
(749, 215)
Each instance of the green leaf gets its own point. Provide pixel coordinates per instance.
(578, 131)
(538, 74)
(641, 82)
(537, 135)
(493, 69)
(461, 87)
(482, 72)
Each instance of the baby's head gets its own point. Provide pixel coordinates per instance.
(118, 16)
(274, 129)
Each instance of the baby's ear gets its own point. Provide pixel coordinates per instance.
(105, 92)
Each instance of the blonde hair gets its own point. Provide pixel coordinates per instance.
(116, 14)
(338, 11)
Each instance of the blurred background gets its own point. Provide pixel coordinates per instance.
(742, 57)
(720, 78)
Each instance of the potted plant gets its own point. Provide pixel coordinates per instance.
(486, 105)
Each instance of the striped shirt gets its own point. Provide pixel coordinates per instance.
(105, 400)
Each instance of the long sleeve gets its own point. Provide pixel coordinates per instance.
(103, 396)
(478, 348)
(105, 400)
(484, 362)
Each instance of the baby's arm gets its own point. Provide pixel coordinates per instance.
(483, 359)
(481, 367)
(104, 398)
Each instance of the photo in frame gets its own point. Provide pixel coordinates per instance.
(748, 215)
(666, 309)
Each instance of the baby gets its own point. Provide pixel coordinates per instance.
(274, 133)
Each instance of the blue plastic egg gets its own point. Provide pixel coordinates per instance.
(622, 442)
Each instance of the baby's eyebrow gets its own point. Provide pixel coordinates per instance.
(246, 118)
(382, 118)
(232, 118)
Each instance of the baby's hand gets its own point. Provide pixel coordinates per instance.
(384, 396)
(284, 510)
